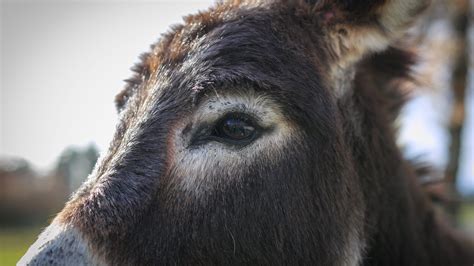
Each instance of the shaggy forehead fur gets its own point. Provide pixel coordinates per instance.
(184, 40)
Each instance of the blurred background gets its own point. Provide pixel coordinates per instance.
(62, 63)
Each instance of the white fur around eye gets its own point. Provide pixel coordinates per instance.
(200, 168)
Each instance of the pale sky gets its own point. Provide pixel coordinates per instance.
(62, 63)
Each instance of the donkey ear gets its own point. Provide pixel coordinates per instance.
(361, 26)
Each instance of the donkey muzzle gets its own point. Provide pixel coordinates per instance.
(58, 245)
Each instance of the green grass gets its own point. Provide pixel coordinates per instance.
(14, 242)
(466, 216)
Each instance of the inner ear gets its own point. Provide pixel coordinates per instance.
(355, 29)
(360, 27)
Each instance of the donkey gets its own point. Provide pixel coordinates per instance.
(261, 132)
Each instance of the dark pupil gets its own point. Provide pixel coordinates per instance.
(237, 129)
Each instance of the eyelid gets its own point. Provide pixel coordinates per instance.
(241, 115)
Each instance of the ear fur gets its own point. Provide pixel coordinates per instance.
(356, 28)
(369, 26)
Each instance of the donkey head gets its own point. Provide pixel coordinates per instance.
(238, 141)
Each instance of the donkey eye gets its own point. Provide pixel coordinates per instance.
(235, 128)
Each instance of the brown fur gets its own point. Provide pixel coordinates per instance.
(336, 191)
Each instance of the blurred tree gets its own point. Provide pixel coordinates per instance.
(74, 165)
(459, 17)
(433, 120)
(16, 166)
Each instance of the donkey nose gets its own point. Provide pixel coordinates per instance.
(58, 245)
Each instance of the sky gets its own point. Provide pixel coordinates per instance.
(466, 170)
(62, 63)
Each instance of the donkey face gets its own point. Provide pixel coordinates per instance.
(231, 147)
